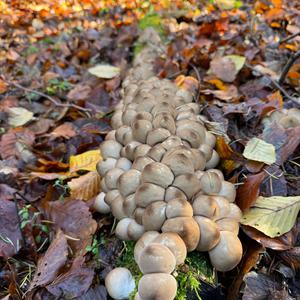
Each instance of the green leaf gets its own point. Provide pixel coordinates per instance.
(273, 216)
(259, 150)
(18, 116)
(238, 60)
(104, 71)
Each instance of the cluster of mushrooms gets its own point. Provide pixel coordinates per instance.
(159, 181)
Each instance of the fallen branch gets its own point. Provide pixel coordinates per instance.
(287, 67)
(69, 105)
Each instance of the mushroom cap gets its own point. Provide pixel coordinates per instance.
(209, 233)
(122, 229)
(117, 208)
(210, 139)
(128, 115)
(148, 193)
(123, 163)
(179, 163)
(175, 243)
(116, 120)
(213, 162)
(141, 162)
(105, 165)
(157, 152)
(154, 215)
(206, 150)
(156, 258)
(187, 228)
(129, 205)
(165, 120)
(210, 183)
(157, 286)
(157, 135)
(178, 207)
(119, 283)
(218, 172)
(100, 205)
(135, 230)
(228, 252)
(143, 115)
(124, 135)
(143, 241)
(228, 191)
(205, 206)
(110, 148)
(141, 150)
(171, 142)
(128, 182)
(128, 150)
(191, 136)
(224, 208)
(138, 215)
(140, 130)
(110, 196)
(111, 178)
(103, 186)
(188, 183)
(173, 192)
(234, 212)
(228, 224)
(157, 173)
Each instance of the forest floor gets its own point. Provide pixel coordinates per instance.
(55, 111)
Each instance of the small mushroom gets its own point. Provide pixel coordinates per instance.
(138, 215)
(165, 120)
(111, 178)
(234, 212)
(135, 230)
(110, 148)
(228, 224)
(210, 139)
(111, 135)
(227, 191)
(140, 130)
(157, 286)
(188, 183)
(228, 252)
(143, 115)
(224, 208)
(210, 183)
(154, 215)
(141, 162)
(187, 228)
(129, 205)
(157, 152)
(119, 283)
(157, 173)
(157, 135)
(171, 142)
(178, 207)
(128, 150)
(105, 165)
(207, 151)
(123, 163)
(143, 241)
(148, 193)
(218, 172)
(191, 136)
(116, 120)
(179, 163)
(156, 258)
(213, 162)
(209, 233)
(129, 181)
(205, 206)
(124, 135)
(163, 107)
(141, 150)
(122, 229)
(117, 208)
(110, 196)
(175, 243)
(100, 205)
(128, 115)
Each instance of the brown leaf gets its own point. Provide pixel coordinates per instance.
(227, 94)
(49, 265)
(12, 55)
(85, 187)
(75, 282)
(3, 87)
(249, 191)
(223, 68)
(75, 219)
(292, 257)
(80, 92)
(284, 242)
(65, 130)
(99, 292)
(10, 234)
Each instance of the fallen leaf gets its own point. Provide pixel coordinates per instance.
(75, 219)
(248, 192)
(104, 71)
(49, 265)
(98, 292)
(12, 55)
(259, 150)
(18, 116)
(227, 94)
(292, 257)
(273, 216)
(74, 283)
(65, 130)
(223, 68)
(3, 87)
(238, 61)
(86, 161)
(85, 187)
(10, 234)
(80, 92)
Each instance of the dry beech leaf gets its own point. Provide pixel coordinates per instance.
(18, 116)
(85, 187)
(249, 191)
(65, 130)
(259, 150)
(104, 71)
(273, 216)
(85, 161)
(3, 87)
(49, 265)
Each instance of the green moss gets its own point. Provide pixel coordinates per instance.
(138, 47)
(151, 19)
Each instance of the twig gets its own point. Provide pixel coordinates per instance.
(287, 67)
(46, 96)
(276, 84)
(290, 37)
(199, 79)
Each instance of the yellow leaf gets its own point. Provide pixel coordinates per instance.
(104, 71)
(259, 150)
(238, 60)
(273, 216)
(18, 116)
(86, 161)
(85, 187)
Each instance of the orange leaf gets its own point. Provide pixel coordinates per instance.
(3, 87)
(249, 191)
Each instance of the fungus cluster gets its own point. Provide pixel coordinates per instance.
(158, 176)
